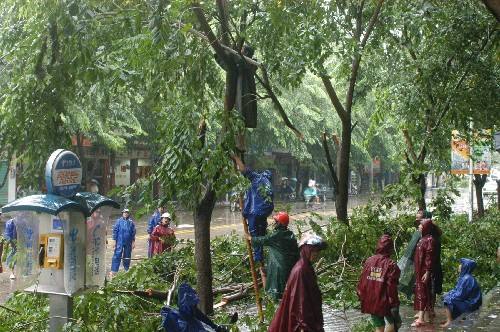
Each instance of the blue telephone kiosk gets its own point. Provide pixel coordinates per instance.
(61, 237)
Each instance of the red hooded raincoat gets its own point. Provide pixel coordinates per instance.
(378, 285)
(424, 262)
(300, 307)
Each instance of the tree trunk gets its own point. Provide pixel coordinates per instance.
(494, 7)
(343, 172)
(83, 160)
(479, 181)
(202, 216)
(422, 182)
(297, 184)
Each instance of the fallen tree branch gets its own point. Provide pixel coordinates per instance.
(9, 309)
(174, 284)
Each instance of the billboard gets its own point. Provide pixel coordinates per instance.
(481, 153)
(460, 154)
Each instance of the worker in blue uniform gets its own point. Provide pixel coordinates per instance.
(124, 237)
(10, 235)
(258, 205)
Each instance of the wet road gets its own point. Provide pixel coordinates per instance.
(223, 222)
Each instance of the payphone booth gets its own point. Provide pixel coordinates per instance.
(61, 238)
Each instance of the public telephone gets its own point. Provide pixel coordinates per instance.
(51, 251)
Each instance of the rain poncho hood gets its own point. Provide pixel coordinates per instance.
(427, 227)
(259, 197)
(466, 296)
(300, 307)
(377, 287)
(385, 246)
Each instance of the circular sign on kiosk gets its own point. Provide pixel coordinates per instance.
(63, 173)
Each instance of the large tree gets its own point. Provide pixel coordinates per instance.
(60, 78)
(440, 75)
(330, 39)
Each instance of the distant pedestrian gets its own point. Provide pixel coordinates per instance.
(377, 288)
(153, 222)
(94, 186)
(300, 308)
(10, 236)
(124, 236)
(466, 296)
(283, 254)
(162, 236)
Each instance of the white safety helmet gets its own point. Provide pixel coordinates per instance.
(313, 240)
(166, 215)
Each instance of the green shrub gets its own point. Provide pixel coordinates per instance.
(338, 272)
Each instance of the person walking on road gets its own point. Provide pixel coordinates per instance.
(162, 236)
(124, 236)
(300, 308)
(283, 254)
(152, 223)
(378, 287)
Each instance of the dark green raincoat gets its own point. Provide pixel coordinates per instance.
(283, 254)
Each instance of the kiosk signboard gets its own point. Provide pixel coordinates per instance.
(63, 173)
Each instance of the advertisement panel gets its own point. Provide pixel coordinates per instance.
(460, 154)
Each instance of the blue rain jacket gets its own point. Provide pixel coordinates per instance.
(154, 221)
(124, 231)
(466, 296)
(310, 191)
(186, 318)
(10, 232)
(259, 197)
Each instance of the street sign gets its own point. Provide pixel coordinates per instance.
(63, 173)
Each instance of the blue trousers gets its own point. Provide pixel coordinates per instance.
(257, 226)
(122, 251)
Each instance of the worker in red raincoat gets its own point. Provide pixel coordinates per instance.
(424, 264)
(378, 287)
(437, 269)
(162, 237)
(300, 308)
